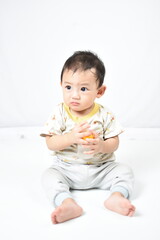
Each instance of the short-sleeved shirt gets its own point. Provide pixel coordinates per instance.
(100, 119)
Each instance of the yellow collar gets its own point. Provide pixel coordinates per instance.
(86, 117)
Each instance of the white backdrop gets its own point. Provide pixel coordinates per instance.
(36, 37)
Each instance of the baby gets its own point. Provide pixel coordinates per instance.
(83, 136)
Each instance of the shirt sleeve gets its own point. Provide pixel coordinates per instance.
(54, 124)
(112, 127)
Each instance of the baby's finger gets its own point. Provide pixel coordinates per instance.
(89, 152)
(86, 146)
(85, 134)
(95, 134)
(92, 141)
(82, 123)
(84, 127)
(82, 142)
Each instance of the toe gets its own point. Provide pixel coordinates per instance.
(53, 218)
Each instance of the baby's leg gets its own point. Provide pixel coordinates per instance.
(56, 187)
(119, 179)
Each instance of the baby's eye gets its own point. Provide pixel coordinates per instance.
(83, 89)
(68, 87)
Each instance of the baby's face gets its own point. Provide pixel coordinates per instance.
(79, 90)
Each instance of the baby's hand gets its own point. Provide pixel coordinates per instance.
(80, 132)
(93, 144)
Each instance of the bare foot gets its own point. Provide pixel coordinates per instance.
(119, 204)
(69, 209)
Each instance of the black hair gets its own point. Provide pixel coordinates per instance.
(85, 60)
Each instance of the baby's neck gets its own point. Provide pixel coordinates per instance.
(83, 112)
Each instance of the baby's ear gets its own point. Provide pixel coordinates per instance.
(101, 91)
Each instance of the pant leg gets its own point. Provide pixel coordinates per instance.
(117, 177)
(56, 186)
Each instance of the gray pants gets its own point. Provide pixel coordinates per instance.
(61, 177)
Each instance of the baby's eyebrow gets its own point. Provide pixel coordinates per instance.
(67, 82)
(85, 84)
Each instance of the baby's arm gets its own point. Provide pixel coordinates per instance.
(60, 142)
(110, 145)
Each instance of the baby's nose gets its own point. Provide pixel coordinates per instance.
(75, 94)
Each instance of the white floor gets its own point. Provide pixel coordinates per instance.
(25, 211)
